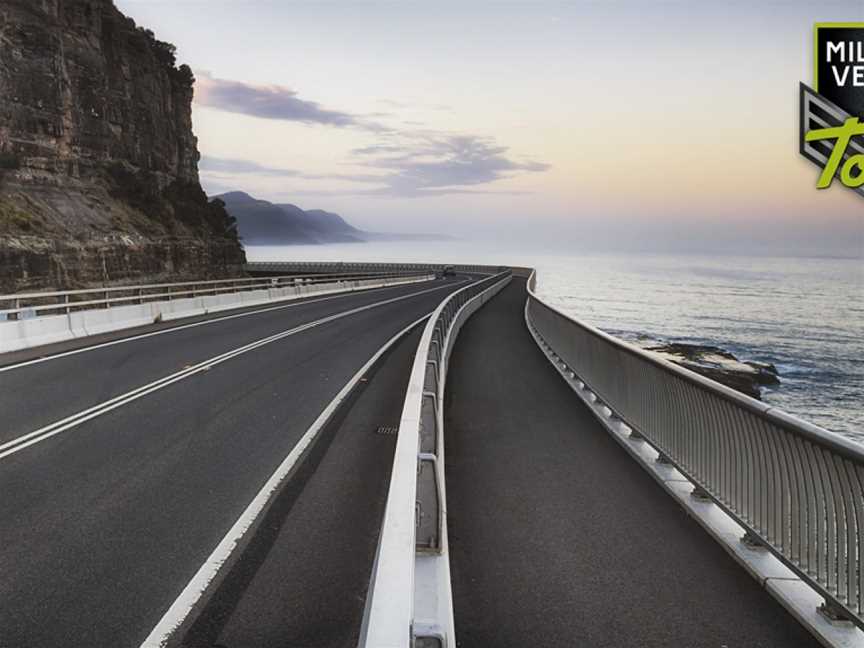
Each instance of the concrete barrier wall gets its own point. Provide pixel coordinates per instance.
(290, 267)
(409, 600)
(27, 333)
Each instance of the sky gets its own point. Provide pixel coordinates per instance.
(667, 126)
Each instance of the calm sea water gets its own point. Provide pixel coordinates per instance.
(805, 315)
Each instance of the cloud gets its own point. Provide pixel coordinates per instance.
(430, 193)
(430, 163)
(410, 165)
(404, 163)
(212, 165)
(225, 168)
(271, 102)
(377, 148)
(413, 105)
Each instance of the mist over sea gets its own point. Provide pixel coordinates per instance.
(805, 315)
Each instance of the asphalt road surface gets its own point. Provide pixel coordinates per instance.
(106, 518)
(557, 537)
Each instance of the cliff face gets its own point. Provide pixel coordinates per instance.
(98, 162)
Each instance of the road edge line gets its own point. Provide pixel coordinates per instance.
(196, 589)
(294, 302)
(13, 446)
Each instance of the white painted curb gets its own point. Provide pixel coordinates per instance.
(202, 581)
(53, 429)
(410, 593)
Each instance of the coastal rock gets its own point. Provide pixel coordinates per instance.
(747, 377)
(98, 161)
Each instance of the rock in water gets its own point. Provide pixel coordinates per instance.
(720, 365)
(98, 161)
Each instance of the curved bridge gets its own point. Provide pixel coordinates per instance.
(376, 455)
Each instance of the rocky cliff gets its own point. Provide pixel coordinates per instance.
(98, 162)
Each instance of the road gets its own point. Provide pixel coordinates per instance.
(557, 537)
(104, 519)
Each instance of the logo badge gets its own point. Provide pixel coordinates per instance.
(832, 112)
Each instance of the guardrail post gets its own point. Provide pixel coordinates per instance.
(795, 487)
(27, 305)
(834, 613)
(418, 475)
(700, 494)
(428, 521)
(664, 459)
(752, 541)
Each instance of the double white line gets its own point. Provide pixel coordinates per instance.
(183, 327)
(53, 429)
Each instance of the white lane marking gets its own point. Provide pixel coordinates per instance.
(64, 354)
(191, 594)
(48, 431)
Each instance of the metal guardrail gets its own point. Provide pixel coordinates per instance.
(797, 489)
(347, 266)
(26, 305)
(409, 602)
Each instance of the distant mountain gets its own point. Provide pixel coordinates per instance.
(264, 223)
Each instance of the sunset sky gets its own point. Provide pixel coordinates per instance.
(584, 124)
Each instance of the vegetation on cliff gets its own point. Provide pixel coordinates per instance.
(98, 161)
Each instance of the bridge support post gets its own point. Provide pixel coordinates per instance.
(834, 613)
(428, 642)
(752, 541)
(700, 494)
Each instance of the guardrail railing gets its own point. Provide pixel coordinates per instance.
(361, 266)
(796, 489)
(409, 601)
(35, 304)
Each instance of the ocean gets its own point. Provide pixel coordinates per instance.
(804, 315)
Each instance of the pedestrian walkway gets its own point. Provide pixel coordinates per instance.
(557, 537)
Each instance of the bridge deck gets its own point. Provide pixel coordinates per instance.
(311, 572)
(105, 523)
(558, 538)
